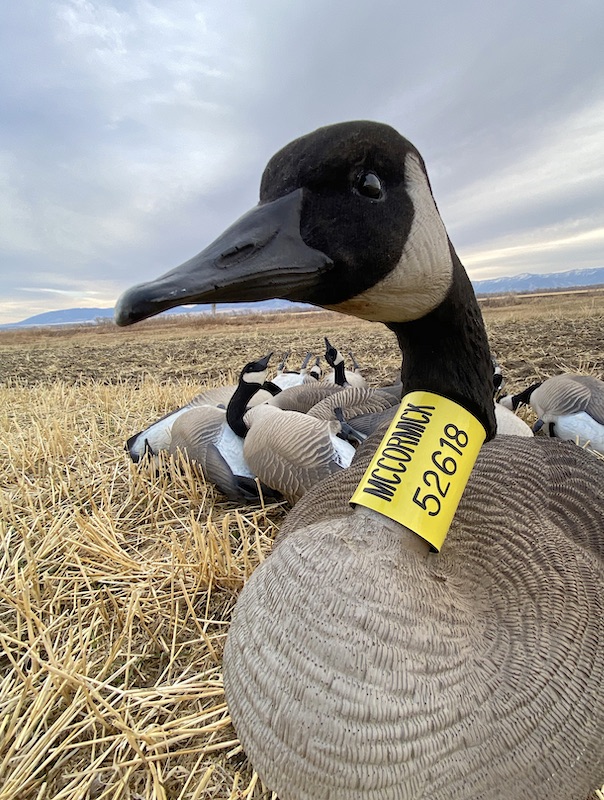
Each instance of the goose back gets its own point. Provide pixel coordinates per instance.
(291, 452)
(354, 401)
(303, 398)
(567, 394)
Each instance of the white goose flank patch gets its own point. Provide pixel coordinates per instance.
(231, 449)
(422, 277)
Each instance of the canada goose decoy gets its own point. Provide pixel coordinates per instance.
(290, 452)
(157, 436)
(354, 401)
(363, 407)
(360, 663)
(339, 374)
(213, 437)
(508, 424)
(568, 406)
(303, 397)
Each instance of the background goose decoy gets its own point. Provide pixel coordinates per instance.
(362, 407)
(303, 397)
(359, 664)
(568, 406)
(158, 435)
(339, 374)
(291, 452)
(213, 437)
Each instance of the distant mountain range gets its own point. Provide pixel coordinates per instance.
(89, 316)
(525, 282)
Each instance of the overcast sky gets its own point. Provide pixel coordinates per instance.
(132, 132)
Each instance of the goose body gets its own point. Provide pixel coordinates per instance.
(157, 436)
(285, 379)
(366, 409)
(569, 407)
(211, 437)
(203, 435)
(303, 397)
(508, 424)
(359, 664)
(291, 452)
(354, 401)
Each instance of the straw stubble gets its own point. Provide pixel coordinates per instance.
(117, 584)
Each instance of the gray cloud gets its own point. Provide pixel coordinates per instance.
(133, 132)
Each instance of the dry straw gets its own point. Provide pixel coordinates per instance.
(116, 588)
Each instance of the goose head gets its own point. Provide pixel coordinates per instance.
(332, 354)
(255, 371)
(251, 378)
(347, 221)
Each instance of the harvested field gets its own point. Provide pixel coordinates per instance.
(117, 582)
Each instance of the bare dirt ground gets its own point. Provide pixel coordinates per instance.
(532, 337)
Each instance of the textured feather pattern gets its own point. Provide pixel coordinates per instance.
(303, 398)
(508, 424)
(357, 669)
(205, 437)
(570, 394)
(194, 430)
(574, 405)
(291, 452)
(353, 401)
(217, 396)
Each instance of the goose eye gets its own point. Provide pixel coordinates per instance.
(369, 185)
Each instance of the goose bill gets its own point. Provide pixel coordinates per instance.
(260, 257)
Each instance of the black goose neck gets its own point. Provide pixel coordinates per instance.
(238, 405)
(339, 373)
(447, 351)
(524, 397)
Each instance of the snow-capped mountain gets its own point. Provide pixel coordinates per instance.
(528, 282)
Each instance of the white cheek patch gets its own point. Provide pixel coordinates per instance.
(254, 377)
(422, 277)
